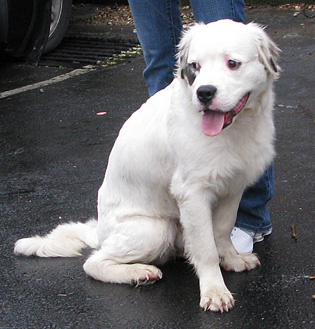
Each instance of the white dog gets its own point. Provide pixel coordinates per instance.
(179, 167)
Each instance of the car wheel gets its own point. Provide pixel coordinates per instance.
(60, 17)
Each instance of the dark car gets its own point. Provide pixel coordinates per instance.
(30, 28)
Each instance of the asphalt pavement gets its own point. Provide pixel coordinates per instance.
(55, 141)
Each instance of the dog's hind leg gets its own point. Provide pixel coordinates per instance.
(124, 255)
(99, 267)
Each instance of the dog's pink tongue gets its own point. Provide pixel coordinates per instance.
(212, 123)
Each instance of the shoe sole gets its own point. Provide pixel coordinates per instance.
(258, 237)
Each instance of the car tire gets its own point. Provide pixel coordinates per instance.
(60, 18)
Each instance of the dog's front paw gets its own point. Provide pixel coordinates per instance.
(217, 299)
(240, 262)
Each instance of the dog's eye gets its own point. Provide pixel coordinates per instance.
(195, 66)
(233, 65)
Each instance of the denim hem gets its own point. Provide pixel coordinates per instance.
(254, 229)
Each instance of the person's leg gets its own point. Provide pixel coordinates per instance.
(158, 24)
(207, 11)
(253, 220)
(253, 215)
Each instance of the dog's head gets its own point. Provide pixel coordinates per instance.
(225, 65)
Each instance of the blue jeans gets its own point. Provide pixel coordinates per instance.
(159, 27)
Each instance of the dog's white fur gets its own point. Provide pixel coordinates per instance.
(171, 190)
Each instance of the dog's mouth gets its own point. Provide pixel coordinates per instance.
(213, 121)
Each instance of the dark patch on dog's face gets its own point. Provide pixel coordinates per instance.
(190, 72)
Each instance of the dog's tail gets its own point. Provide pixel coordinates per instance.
(66, 240)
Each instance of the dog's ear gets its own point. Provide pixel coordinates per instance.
(268, 52)
(183, 50)
(182, 54)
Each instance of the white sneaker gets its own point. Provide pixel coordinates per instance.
(244, 240)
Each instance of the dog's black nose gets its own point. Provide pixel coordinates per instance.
(206, 93)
